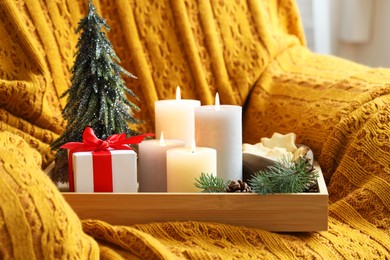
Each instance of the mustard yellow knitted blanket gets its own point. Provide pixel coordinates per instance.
(253, 53)
(37, 223)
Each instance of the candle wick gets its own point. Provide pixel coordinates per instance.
(193, 146)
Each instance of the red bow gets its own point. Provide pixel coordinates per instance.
(92, 143)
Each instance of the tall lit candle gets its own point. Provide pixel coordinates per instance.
(220, 127)
(175, 117)
(184, 165)
(152, 166)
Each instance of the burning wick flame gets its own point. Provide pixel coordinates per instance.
(193, 146)
(217, 103)
(178, 95)
(162, 142)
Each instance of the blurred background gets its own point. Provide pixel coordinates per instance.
(354, 29)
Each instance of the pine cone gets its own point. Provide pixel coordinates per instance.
(312, 187)
(238, 186)
(308, 163)
(309, 169)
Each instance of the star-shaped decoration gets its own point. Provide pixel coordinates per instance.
(286, 141)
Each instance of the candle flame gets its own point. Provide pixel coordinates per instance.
(162, 142)
(193, 146)
(178, 94)
(217, 103)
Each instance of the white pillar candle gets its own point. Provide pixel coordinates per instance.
(175, 117)
(184, 165)
(152, 163)
(220, 127)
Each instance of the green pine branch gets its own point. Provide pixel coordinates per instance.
(284, 177)
(210, 183)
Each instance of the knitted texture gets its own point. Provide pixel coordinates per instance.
(165, 44)
(253, 54)
(38, 223)
(35, 220)
(196, 240)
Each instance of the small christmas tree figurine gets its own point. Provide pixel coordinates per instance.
(97, 96)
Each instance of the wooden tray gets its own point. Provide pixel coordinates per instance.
(292, 212)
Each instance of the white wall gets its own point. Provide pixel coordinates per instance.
(375, 51)
(358, 30)
(315, 18)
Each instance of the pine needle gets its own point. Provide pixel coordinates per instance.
(284, 177)
(210, 183)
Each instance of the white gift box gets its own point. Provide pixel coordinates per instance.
(123, 171)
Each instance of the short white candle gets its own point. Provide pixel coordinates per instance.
(184, 165)
(152, 166)
(175, 117)
(220, 127)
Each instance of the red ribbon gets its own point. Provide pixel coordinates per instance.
(102, 171)
(97, 146)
